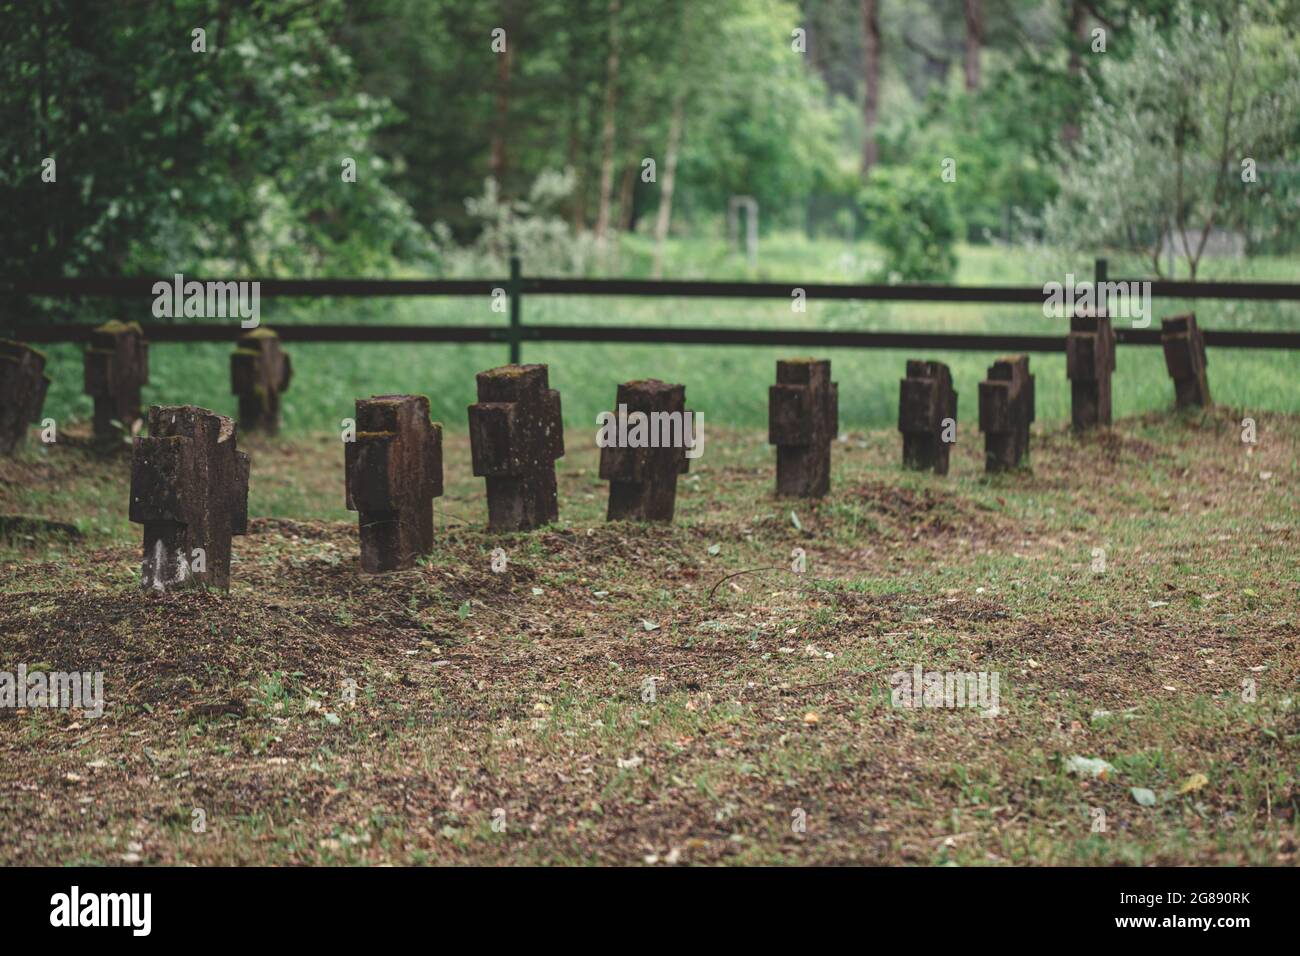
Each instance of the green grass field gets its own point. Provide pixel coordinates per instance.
(728, 384)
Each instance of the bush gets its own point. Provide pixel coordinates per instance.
(911, 214)
(531, 228)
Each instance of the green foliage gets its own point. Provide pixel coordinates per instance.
(1166, 140)
(764, 126)
(229, 161)
(912, 215)
(171, 158)
(529, 228)
(1004, 168)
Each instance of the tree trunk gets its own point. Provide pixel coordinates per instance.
(669, 181)
(626, 192)
(871, 92)
(586, 166)
(974, 41)
(573, 162)
(609, 127)
(1078, 38)
(502, 113)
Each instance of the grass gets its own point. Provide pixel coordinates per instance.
(729, 385)
(450, 714)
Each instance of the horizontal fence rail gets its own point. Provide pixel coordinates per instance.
(955, 341)
(516, 332)
(667, 288)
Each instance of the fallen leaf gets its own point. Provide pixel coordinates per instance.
(1088, 766)
(1143, 796)
(1193, 783)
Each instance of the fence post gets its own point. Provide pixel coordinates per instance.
(515, 305)
(1098, 272)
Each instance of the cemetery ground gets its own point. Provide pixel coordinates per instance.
(1136, 591)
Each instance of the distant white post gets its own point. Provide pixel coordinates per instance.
(750, 205)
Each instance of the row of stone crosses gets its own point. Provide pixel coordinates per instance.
(189, 483)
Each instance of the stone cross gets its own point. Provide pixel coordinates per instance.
(643, 480)
(117, 366)
(1006, 409)
(925, 399)
(259, 372)
(189, 488)
(802, 420)
(23, 384)
(393, 473)
(1185, 358)
(516, 434)
(1089, 363)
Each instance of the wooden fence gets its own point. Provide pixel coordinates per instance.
(515, 332)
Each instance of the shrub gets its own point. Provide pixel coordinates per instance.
(912, 216)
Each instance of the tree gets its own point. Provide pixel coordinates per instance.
(1177, 133)
(871, 84)
(609, 124)
(974, 12)
(177, 150)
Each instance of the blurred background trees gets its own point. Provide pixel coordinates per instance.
(837, 116)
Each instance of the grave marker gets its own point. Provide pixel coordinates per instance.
(1006, 411)
(802, 420)
(23, 384)
(516, 434)
(1184, 347)
(259, 372)
(643, 481)
(116, 368)
(1089, 364)
(393, 472)
(189, 488)
(925, 399)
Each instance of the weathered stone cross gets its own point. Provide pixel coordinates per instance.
(516, 434)
(1184, 347)
(643, 480)
(259, 373)
(1006, 411)
(925, 399)
(393, 473)
(117, 367)
(1089, 364)
(23, 384)
(802, 420)
(189, 488)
